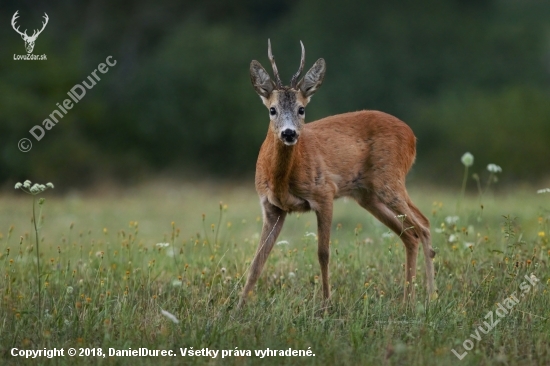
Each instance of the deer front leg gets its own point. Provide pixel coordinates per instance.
(273, 218)
(324, 221)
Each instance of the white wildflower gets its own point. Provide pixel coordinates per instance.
(493, 168)
(467, 159)
(291, 274)
(170, 316)
(387, 235)
(544, 190)
(468, 244)
(282, 242)
(70, 289)
(33, 189)
(439, 230)
(452, 238)
(177, 283)
(162, 245)
(451, 219)
(223, 270)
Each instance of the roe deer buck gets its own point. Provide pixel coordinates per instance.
(301, 167)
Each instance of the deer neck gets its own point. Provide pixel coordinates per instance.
(284, 160)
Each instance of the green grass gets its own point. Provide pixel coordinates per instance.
(105, 280)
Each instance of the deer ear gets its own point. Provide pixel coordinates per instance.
(313, 79)
(260, 79)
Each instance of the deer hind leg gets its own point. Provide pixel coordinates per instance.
(273, 218)
(429, 253)
(406, 227)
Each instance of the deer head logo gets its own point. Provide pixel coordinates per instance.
(29, 40)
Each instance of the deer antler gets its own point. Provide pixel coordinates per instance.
(295, 77)
(275, 72)
(13, 19)
(35, 34)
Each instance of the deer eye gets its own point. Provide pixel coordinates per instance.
(272, 111)
(301, 111)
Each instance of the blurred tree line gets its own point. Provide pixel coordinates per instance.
(466, 75)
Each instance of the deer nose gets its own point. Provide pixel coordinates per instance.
(288, 135)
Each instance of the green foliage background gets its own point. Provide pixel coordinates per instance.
(465, 75)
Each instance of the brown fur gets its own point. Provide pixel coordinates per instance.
(364, 155)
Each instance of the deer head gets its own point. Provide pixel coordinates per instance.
(29, 40)
(286, 104)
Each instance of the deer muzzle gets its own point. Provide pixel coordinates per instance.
(289, 136)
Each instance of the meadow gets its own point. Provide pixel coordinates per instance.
(161, 266)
